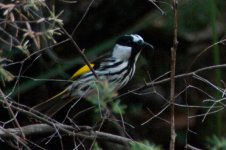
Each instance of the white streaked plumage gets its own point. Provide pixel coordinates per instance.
(117, 69)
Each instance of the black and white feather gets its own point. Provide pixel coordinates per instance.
(118, 69)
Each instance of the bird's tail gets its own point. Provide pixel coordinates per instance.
(51, 106)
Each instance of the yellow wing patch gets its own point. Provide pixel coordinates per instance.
(81, 71)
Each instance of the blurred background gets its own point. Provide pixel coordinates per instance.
(32, 63)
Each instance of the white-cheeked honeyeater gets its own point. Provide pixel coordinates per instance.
(118, 68)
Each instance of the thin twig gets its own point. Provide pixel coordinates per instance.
(205, 50)
(156, 115)
(54, 126)
(190, 147)
(84, 15)
(157, 82)
(80, 51)
(154, 3)
(14, 136)
(11, 112)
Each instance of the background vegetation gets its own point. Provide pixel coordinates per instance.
(37, 58)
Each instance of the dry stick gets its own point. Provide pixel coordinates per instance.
(11, 112)
(202, 52)
(190, 74)
(84, 15)
(190, 147)
(80, 51)
(52, 126)
(12, 135)
(27, 58)
(172, 82)
(41, 117)
(39, 129)
(193, 73)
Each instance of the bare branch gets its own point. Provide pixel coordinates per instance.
(190, 74)
(172, 77)
(11, 112)
(15, 137)
(42, 129)
(80, 51)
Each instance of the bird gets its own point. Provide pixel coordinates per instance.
(117, 68)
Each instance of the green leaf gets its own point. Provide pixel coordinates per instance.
(6, 75)
(216, 143)
(96, 146)
(118, 108)
(144, 146)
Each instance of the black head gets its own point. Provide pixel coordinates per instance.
(133, 40)
(129, 46)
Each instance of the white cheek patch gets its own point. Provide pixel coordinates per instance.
(122, 52)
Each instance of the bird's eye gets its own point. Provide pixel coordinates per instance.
(139, 42)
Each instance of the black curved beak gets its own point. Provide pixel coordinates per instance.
(147, 46)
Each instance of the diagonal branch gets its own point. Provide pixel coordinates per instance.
(80, 51)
